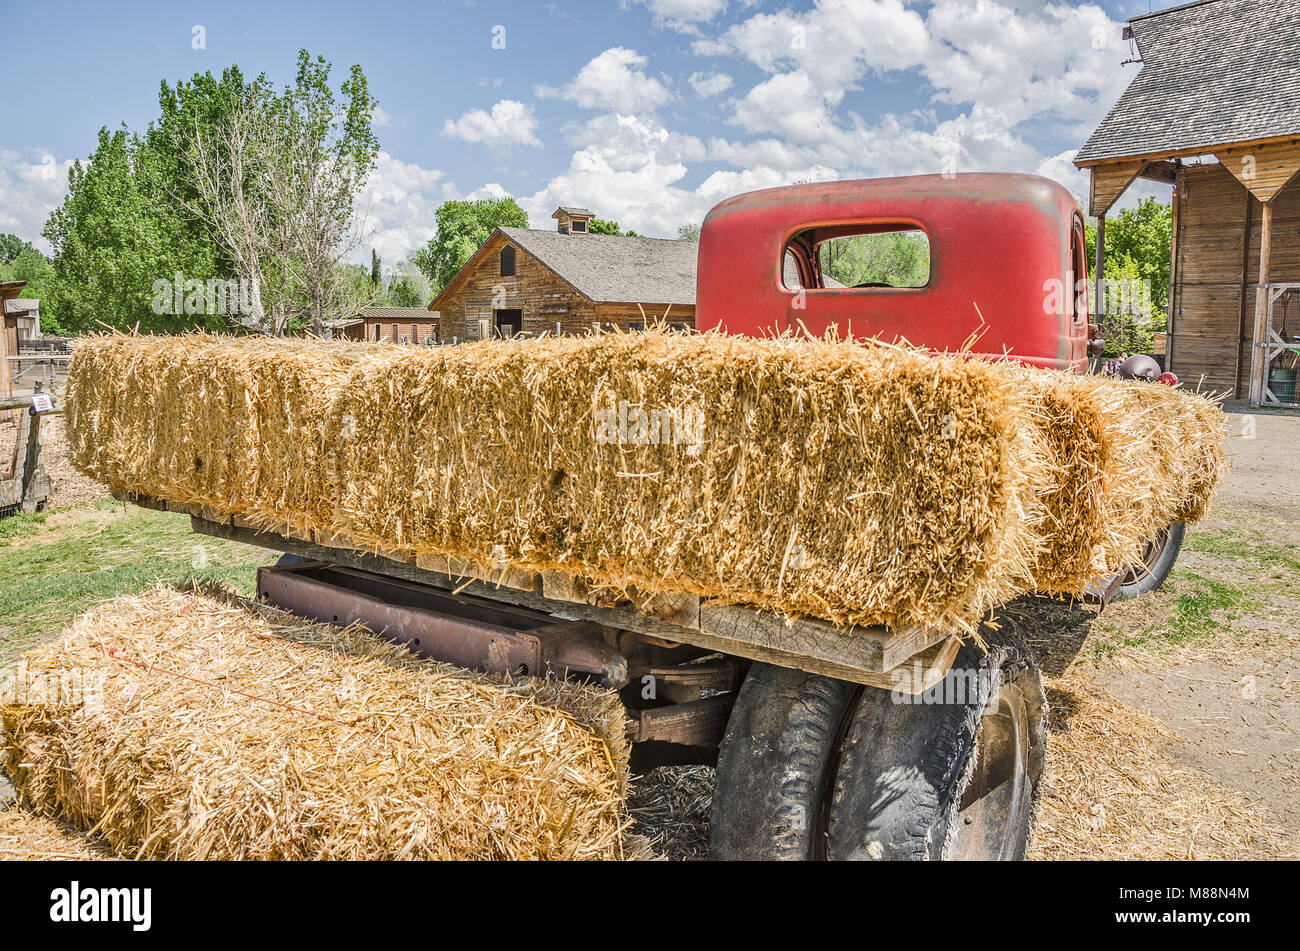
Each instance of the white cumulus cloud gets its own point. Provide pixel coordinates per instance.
(614, 81)
(510, 122)
(683, 15)
(32, 184)
(710, 84)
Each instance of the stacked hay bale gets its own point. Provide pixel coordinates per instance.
(233, 424)
(1124, 459)
(225, 730)
(861, 484)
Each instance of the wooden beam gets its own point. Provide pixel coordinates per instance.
(1258, 361)
(1099, 308)
(1108, 182)
(1166, 172)
(1208, 148)
(1245, 288)
(1265, 169)
(6, 378)
(1176, 203)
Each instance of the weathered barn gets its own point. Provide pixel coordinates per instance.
(9, 291)
(393, 324)
(1215, 112)
(567, 281)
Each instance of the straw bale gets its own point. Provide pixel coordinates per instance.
(228, 730)
(1124, 459)
(26, 837)
(860, 484)
(234, 424)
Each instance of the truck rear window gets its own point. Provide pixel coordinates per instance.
(859, 256)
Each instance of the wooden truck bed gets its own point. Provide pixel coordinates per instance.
(910, 660)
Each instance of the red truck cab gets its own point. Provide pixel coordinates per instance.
(1007, 270)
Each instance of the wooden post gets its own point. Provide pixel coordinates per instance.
(1099, 309)
(1259, 354)
(31, 463)
(6, 380)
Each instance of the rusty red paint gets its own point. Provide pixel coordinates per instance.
(1000, 245)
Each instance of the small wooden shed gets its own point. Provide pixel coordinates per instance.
(391, 324)
(1215, 112)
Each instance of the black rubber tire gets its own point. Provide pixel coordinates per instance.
(288, 558)
(1156, 565)
(904, 767)
(774, 765)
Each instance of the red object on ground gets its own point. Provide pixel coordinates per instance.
(1168, 378)
(1007, 265)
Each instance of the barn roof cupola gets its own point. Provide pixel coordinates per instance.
(571, 220)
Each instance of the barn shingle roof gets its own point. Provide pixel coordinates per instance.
(395, 313)
(613, 269)
(1214, 72)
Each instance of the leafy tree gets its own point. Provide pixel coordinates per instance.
(1137, 250)
(11, 246)
(689, 232)
(463, 227)
(1143, 234)
(116, 233)
(232, 181)
(407, 287)
(402, 292)
(603, 226)
(376, 277)
(899, 259)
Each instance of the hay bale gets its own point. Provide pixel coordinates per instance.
(25, 837)
(1123, 459)
(234, 424)
(226, 730)
(860, 484)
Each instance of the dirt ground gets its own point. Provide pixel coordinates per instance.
(1233, 701)
(67, 485)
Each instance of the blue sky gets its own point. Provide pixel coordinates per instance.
(647, 111)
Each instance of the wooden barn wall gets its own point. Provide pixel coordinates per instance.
(544, 298)
(1216, 268)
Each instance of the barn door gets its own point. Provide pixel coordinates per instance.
(509, 322)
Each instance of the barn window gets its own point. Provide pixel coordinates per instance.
(508, 261)
(578, 226)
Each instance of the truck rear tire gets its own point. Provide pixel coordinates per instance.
(813, 768)
(954, 775)
(1157, 560)
(775, 765)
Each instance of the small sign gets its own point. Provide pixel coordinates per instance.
(42, 403)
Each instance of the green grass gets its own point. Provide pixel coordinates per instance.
(1224, 544)
(1205, 610)
(54, 565)
(1205, 607)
